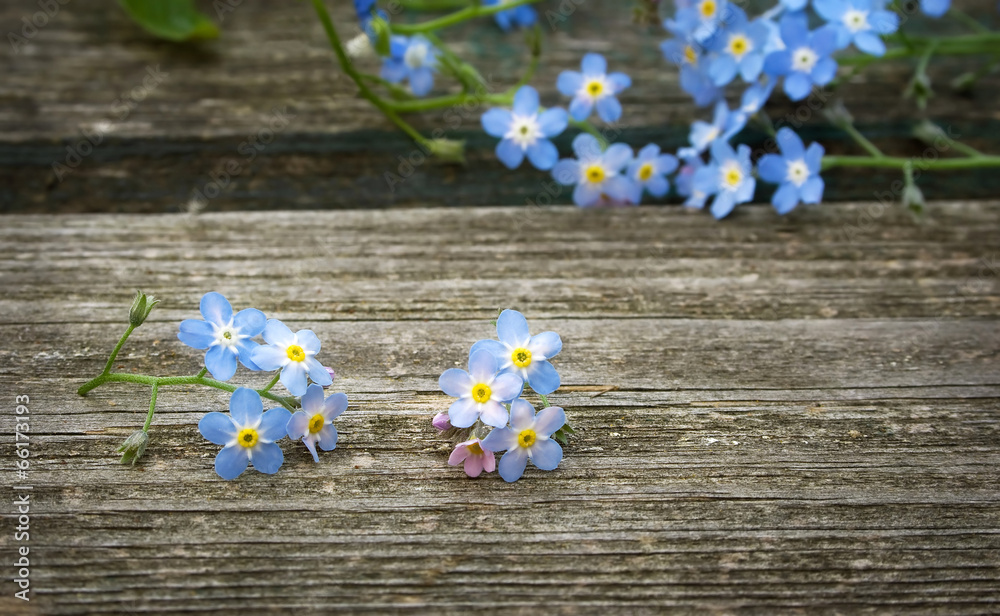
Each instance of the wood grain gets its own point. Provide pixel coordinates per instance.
(774, 416)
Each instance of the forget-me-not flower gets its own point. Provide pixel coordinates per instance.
(701, 19)
(525, 131)
(527, 438)
(292, 353)
(520, 353)
(859, 21)
(413, 58)
(648, 172)
(684, 181)
(227, 337)
(806, 58)
(796, 170)
(595, 173)
(481, 391)
(313, 425)
(594, 87)
(517, 17)
(934, 8)
(739, 48)
(725, 124)
(247, 435)
(476, 458)
(729, 177)
(689, 56)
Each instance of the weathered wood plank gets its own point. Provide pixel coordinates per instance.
(804, 421)
(76, 72)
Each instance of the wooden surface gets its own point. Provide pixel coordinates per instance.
(804, 420)
(76, 72)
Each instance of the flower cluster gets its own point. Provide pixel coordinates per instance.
(489, 414)
(248, 434)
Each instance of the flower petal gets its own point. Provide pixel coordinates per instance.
(459, 453)
(328, 438)
(274, 424)
(580, 108)
(421, 81)
(526, 101)
(246, 348)
(335, 405)
(790, 143)
(221, 362)
(785, 198)
(546, 454)
(196, 333)
(618, 156)
(594, 64)
(455, 382)
(216, 308)
(217, 427)
(543, 155)
(311, 446)
(250, 322)
(569, 83)
(278, 334)
(506, 387)
(293, 377)
(500, 439)
(308, 340)
(510, 153)
(522, 415)
(566, 172)
(553, 122)
(318, 372)
(512, 328)
(494, 414)
(298, 425)
(267, 458)
(246, 407)
(545, 344)
(312, 400)
(549, 420)
(231, 462)
(772, 168)
(609, 109)
(496, 122)
(513, 463)
(269, 358)
(497, 349)
(482, 366)
(463, 412)
(473, 466)
(543, 377)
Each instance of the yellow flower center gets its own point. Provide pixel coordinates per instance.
(707, 8)
(646, 172)
(296, 353)
(739, 45)
(475, 449)
(521, 357)
(227, 335)
(526, 438)
(689, 55)
(733, 177)
(247, 437)
(482, 393)
(316, 423)
(595, 88)
(595, 174)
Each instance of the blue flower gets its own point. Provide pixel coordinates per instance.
(934, 8)
(596, 174)
(594, 87)
(412, 58)
(527, 438)
(725, 124)
(247, 435)
(481, 392)
(293, 354)
(859, 21)
(685, 178)
(519, 16)
(648, 171)
(739, 47)
(226, 337)
(794, 5)
(729, 177)
(754, 98)
(526, 131)
(314, 423)
(520, 353)
(701, 20)
(796, 170)
(806, 59)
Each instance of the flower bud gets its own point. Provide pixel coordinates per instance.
(141, 307)
(449, 150)
(441, 422)
(133, 447)
(333, 375)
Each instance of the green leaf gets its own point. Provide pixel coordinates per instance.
(174, 20)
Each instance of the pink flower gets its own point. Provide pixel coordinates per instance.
(476, 458)
(441, 422)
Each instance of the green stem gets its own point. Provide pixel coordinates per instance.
(152, 408)
(459, 16)
(202, 372)
(274, 381)
(118, 347)
(433, 5)
(862, 140)
(350, 71)
(545, 401)
(442, 102)
(163, 381)
(587, 127)
(969, 21)
(895, 162)
(966, 44)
